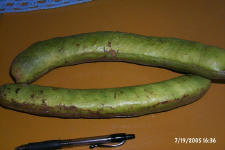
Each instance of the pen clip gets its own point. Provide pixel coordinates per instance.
(106, 146)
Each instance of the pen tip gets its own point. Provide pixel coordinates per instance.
(130, 136)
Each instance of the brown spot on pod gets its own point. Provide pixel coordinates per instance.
(72, 107)
(115, 95)
(77, 44)
(66, 62)
(109, 44)
(112, 52)
(32, 95)
(150, 92)
(164, 102)
(14, 103)
(44, 102)
(61, 50)
(136, 95)
(17, 90)
(2, 93)
(54, 88)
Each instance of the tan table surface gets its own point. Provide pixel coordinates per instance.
(198, 20)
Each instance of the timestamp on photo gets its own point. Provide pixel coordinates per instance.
(195, 140)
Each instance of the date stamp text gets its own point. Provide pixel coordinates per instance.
(194, 140)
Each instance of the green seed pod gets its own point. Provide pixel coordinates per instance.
(175, 54)
(104, 103)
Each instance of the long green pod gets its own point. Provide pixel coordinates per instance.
(176, 54)
(104, 103)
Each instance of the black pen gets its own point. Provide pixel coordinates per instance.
(92, 142)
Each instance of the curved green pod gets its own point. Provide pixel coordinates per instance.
(175, 54)
(104, 103)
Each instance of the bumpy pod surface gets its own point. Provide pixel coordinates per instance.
(171, 53)
(104, 103)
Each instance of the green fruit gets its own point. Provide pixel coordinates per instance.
(175, 54)
(103, 103)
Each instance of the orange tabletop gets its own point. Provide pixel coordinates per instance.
(197, 20)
